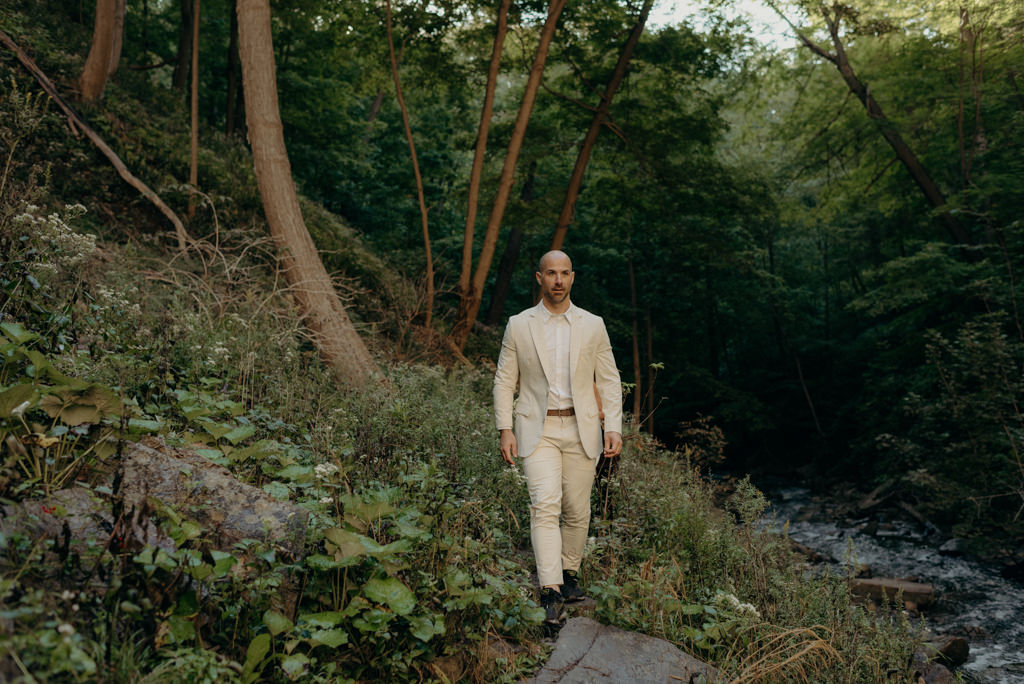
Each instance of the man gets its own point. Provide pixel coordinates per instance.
(557, 353)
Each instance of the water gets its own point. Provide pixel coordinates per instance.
(972, 600)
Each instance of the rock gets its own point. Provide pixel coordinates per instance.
(81, 520)
(587, 651)
(209, 495)
(922, 595)
(952, 547)
(950, 650)
(928, 672)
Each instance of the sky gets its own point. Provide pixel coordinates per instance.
(766, 24)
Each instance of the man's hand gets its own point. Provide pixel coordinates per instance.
(509, 449)
(612, 444)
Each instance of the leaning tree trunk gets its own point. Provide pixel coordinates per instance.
(105, 52)
(415, 171)
(326, 318)
(576, 179)
(193, 167)
(904, 153)
(465, 274)
(469, 302)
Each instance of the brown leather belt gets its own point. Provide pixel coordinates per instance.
(562, 412)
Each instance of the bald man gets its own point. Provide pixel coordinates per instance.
(557, 353)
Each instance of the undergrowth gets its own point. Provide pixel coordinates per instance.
(416, 563)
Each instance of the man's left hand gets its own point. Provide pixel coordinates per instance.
(612, 444)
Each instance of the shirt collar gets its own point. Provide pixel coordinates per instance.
(546, 315)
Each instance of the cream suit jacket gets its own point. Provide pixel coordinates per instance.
(590, 361)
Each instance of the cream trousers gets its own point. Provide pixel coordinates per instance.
(559, 476)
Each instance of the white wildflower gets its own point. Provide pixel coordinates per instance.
(325, 470)
(66, 629)
(326, 500)
(19, 410)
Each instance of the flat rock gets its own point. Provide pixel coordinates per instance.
(922, 595)
(587, 651)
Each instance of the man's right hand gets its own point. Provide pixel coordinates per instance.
(509, 450)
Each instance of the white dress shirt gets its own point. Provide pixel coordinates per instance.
(557, 332)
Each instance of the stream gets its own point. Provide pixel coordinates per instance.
(972, 600)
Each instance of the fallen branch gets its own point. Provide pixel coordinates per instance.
(122, 170)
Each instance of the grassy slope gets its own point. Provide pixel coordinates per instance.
(208, 342)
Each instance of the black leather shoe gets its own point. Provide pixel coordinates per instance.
(552, 603)
(571, 591)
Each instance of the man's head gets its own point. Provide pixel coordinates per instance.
(555, 276)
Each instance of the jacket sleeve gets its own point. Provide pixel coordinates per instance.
(609, 388)
(506, 377)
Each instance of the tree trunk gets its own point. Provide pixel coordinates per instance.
(465, 284)
(638, 399)
(469, 304)
(180, 77)
(650, 374)
(428, 315)
(906, 155)
(326, 318)
(193, 168)
(232, 74)
(102, 60)
(565, 217)
(507, 265)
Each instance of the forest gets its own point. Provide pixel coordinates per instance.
(287, 237)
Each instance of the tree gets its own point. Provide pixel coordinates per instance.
(470, 299)
(193, 170)
(415, 170)
(834, 17)
(105, 52)
(332, 331)
(600, 115)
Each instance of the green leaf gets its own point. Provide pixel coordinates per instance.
(296, 472)
(330, 637)
(326, 619)
(17, 396)
(424, 628)
(145, 425)
(240, 433)
(295, 665)
(15, 333)
(254, 655)
(344, 544)
(392, 593)
(276, 622)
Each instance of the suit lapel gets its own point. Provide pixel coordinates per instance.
(540, 343)
(575, 341)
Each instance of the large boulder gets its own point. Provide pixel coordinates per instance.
(588, 652)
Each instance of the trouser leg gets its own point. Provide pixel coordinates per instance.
(559, 476)
(543, 469)
(577, 480)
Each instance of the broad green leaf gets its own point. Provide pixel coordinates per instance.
(276, 623)
(240, 433)
(326, 619)
(145, 425)
(15, 333)
(392, 593)
(424, 628)
(345, 544)
(23, 396)
(254, 655)
(295, 665)
(330, 637)
(296, 472)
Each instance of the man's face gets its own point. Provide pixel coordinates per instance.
(555, 279)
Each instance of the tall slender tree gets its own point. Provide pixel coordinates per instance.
(325, 316)
(600, 116)
(415, 169)
(469, 302)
